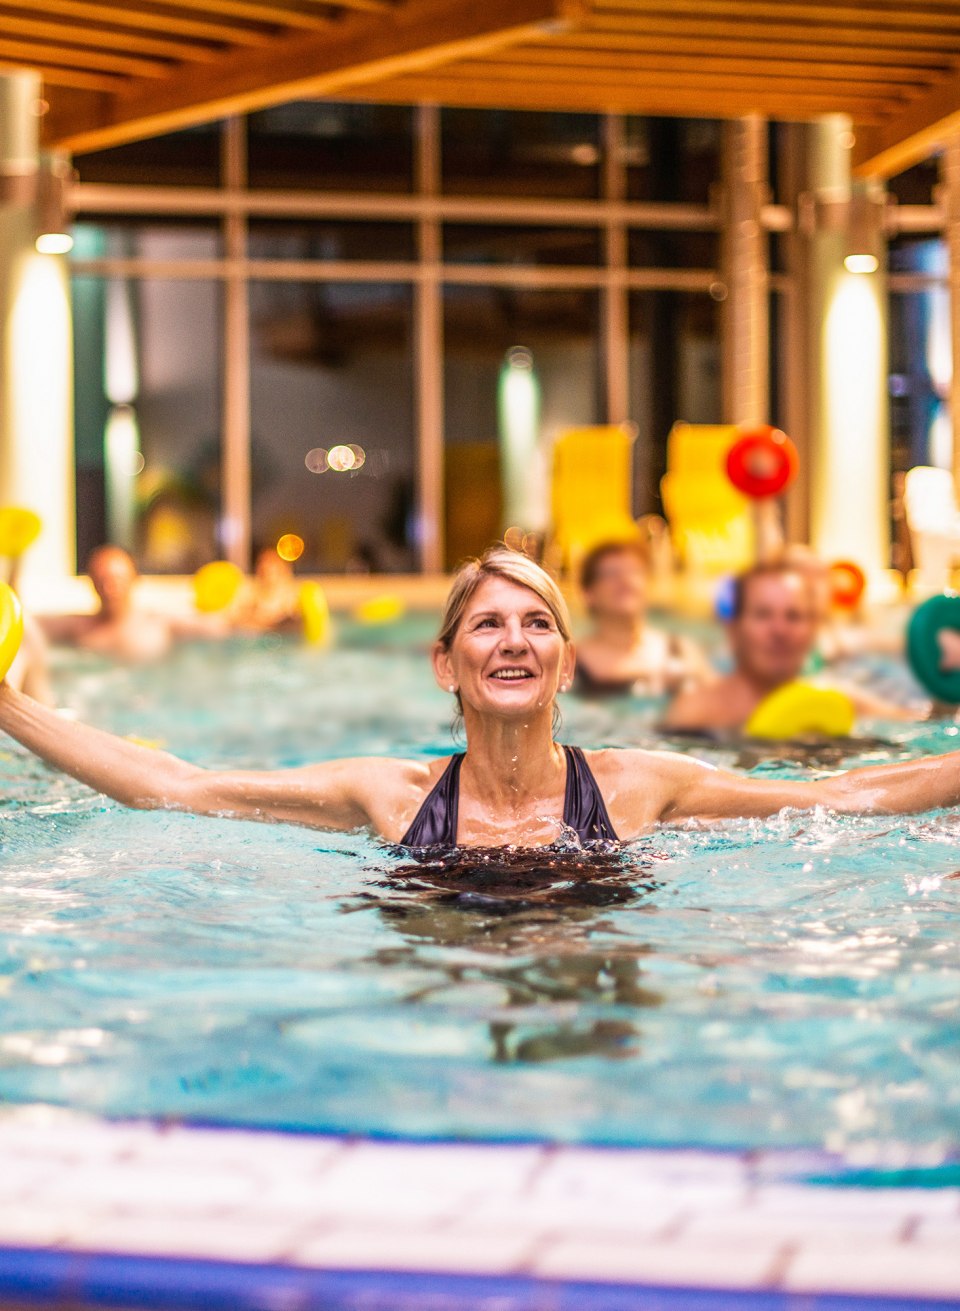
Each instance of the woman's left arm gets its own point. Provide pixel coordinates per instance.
(693, 789)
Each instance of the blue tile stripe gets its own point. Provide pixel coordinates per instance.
(41, 1277)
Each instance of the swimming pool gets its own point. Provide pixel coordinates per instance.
(789, 983)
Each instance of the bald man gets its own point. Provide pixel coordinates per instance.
(118, 628)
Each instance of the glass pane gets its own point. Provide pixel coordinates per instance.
(674, 374)
(673, 249)
(181, 159)
(332, 367)
(519, 153)
(114, 237)
(672, 158)
(559, 330)
(333, 239)
(917, 252)
(920, 361)
(916, 185)
(319, 146)
(483, 243)
(147, 360)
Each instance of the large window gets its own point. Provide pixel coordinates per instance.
(353, 279)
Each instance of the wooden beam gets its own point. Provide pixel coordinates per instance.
(104, 38)
(912, 135)
(142, 17)
(416, 37)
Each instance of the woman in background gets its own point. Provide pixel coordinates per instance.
(623, 654)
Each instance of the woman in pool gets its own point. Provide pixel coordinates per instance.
(623, 654)
(504, 651)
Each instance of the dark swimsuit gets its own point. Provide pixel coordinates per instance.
(584, 811)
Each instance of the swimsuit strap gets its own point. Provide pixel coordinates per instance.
(584, 809)
(435, 823)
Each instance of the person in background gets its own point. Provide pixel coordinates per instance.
(271, 601)
(119, 628)
(772, 633)
(623, 654)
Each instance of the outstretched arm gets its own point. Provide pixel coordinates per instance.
(695, 790)
(328, 796)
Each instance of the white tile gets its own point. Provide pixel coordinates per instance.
(183, 1236)
(902, 1268)
(697, 1264)
(462, 1251)
(137, 1188)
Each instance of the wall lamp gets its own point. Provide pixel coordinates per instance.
(860, 215)
(44, 187)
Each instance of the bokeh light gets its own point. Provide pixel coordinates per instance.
(340, 458)
(290, 547)
(316, 460)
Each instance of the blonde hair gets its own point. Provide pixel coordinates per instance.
(513, 567)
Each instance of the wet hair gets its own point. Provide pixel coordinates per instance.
(768, 569)
(590, 565)
(500, 562)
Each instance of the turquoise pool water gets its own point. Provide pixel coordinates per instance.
(788, 983)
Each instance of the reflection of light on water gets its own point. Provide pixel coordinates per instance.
(59, 1049)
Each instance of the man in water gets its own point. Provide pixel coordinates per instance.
(772, 633)
(119, 628)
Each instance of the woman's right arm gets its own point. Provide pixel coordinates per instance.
(329, 796)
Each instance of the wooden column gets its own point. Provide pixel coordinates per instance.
(428, 330)
(746, 328)
(235, 492)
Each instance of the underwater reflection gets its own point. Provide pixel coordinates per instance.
(532, 925)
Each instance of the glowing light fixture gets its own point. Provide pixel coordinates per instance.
(862, 263)
(52, 213)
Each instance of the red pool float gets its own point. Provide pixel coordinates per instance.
(762, 462)
(847, 582)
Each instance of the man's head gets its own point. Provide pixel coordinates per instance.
(774, 623)
(113, 575)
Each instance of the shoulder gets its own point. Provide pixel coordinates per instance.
(391, 791)
(697, 707)
(636, 785)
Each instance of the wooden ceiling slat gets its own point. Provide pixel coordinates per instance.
(591, 39)
(105, 38)
(499, 73)
(35, 52)
(145, 17)
(610, 20)
(898, 142)
(277, 15)
(574, 56)
(629, 99)
(54, 76)
(857, 16)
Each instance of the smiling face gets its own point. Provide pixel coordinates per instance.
(507, 657)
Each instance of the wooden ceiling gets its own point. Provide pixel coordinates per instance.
(113, 73)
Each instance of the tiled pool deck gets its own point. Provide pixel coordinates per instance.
(136, 1214)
